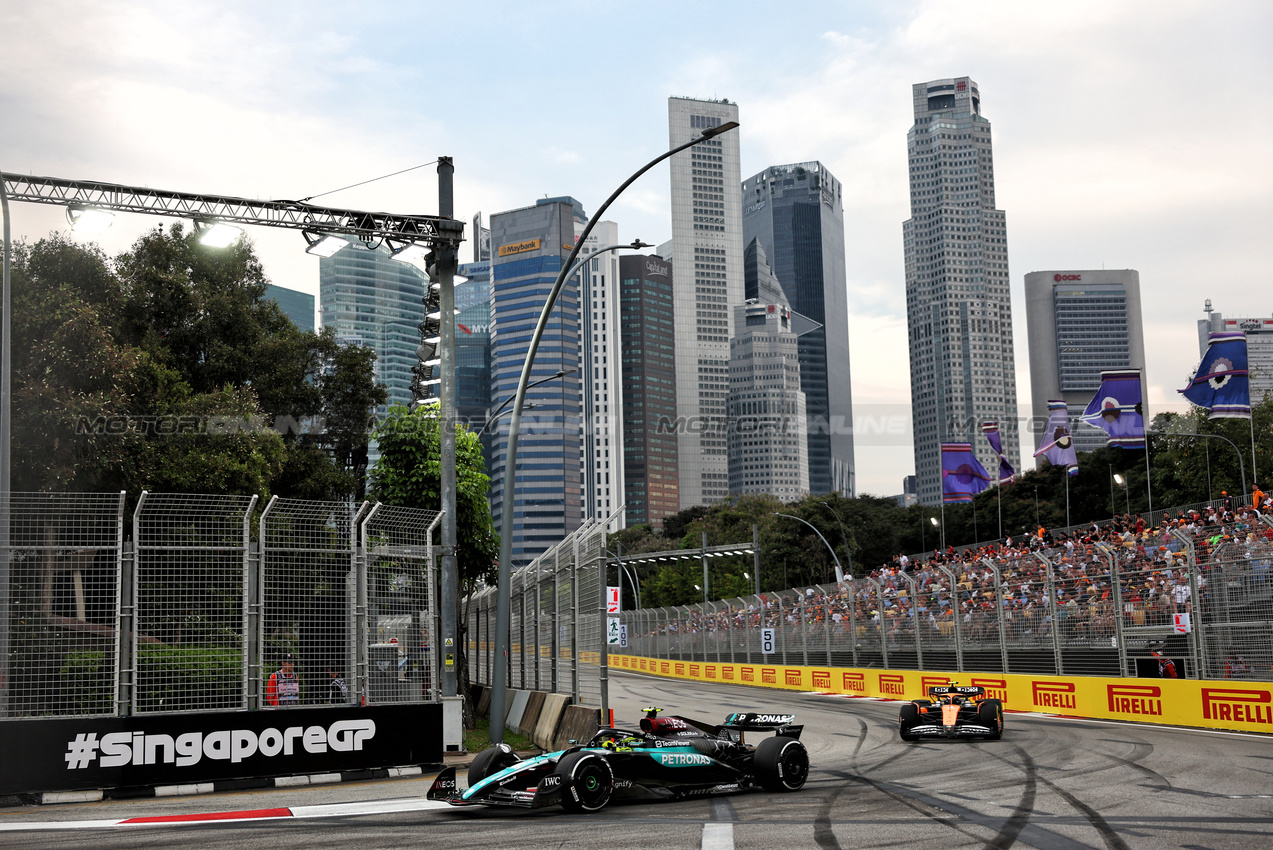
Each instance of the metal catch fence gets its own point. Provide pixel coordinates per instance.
(1200, 595)
(327, 603)
(555, 622)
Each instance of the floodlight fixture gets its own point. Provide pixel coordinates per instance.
(88, 219)
(410, 253)
(933, 520)
(436, 361)
(431, 381)
(1119, 479)
(217, 234)
(323, 244)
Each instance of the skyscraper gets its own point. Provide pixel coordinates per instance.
(601, 459)
(1259, 346)
(473, 346)
(959, 313)
(649, 389)
(707, 256)
(768, 434)
(1080, 322)
(298, 306)
(529, 246)
(367, 296)
(797, 214)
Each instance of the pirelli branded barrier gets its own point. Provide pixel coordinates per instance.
(1235, 705)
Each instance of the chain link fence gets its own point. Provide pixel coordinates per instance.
(555, 620)
(59, 639)
(215, 604)
(1198, 593)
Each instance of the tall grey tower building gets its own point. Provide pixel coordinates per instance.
(707, 239)
(1080, 322)
(959, 315)
(797, 214)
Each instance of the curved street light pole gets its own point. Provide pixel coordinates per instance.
(839, 571)
(499, 669)
(843, 534)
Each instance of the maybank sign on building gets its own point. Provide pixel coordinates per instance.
(1231, 705)
(519, 247)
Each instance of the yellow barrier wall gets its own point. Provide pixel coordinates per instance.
(1239, 706)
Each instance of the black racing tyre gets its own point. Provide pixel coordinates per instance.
(781, 764)
(907, 717)
(490, 761)
(587, 781)
(990, 714)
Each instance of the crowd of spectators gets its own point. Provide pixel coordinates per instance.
(932, 595)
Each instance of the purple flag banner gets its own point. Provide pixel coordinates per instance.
(962, 477)
(1006, 472)
(1057, 445)
(1222, 383)
(1118, 409)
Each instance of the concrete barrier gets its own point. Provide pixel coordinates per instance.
(545, 732)
(578, 723)
(530, 716)
(482, 700)
(516, 705)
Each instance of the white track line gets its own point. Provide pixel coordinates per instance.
(332, 810)
(718, 836)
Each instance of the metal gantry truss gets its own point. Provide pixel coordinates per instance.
(294, 215)
(394, 229)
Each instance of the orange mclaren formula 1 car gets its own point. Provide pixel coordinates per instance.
(952, 711)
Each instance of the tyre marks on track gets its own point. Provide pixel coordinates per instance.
(1025, 806)
(1113, 841)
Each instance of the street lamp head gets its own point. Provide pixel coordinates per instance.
(933, 520)
(637, 245)
(1119, 480)
(718, 129)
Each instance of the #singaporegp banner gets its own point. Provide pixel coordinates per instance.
(1227, 704)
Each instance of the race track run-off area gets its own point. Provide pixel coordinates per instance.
(1049, 783)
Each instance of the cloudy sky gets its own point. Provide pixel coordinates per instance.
(1127, 134)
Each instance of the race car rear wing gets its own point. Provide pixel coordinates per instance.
(750, 721)
(957, 690)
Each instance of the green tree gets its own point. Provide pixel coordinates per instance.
(167, 369)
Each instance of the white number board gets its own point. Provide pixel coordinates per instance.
(767, 641)
(623, 636)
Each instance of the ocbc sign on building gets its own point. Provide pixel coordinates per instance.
(1060, 277)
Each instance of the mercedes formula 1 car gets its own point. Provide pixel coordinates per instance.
(952, 711)
(667, 758)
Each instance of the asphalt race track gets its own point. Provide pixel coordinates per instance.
(1050, 783)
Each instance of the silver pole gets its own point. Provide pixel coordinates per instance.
(6, 437)
(508, 501)
(755, 554)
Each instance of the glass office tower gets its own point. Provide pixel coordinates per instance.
(796, 213)
(958, 309)
(529, 246)
(369, 297)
